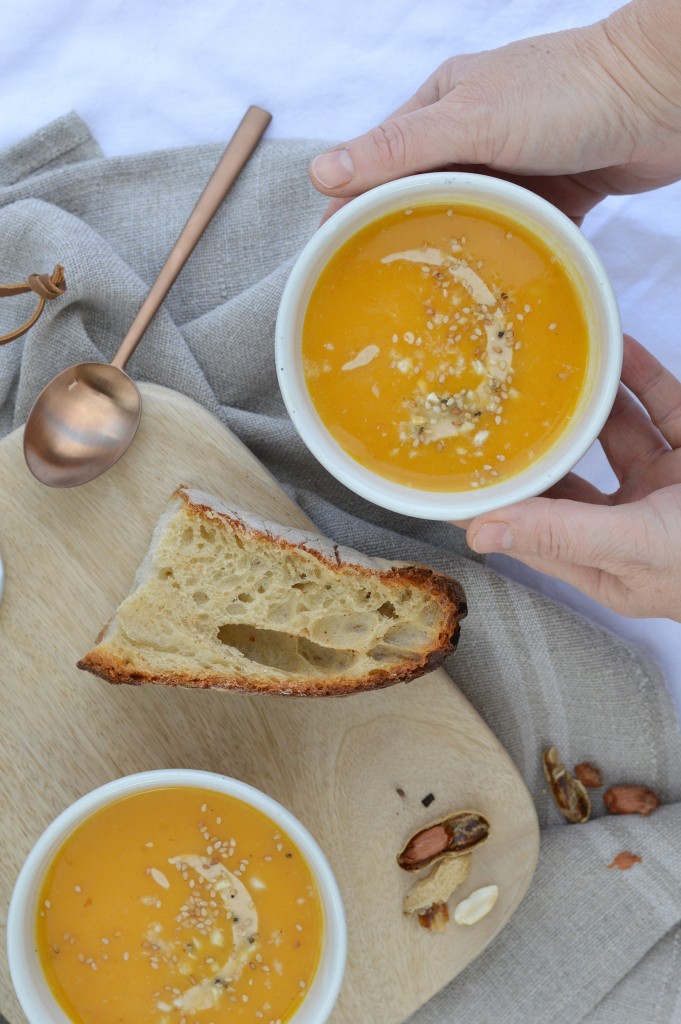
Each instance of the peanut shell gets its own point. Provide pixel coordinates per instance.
(457, 834)
(438, 886)
(570, 796)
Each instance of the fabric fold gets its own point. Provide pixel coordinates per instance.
(65, 141)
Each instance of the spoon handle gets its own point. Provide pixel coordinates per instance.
(233, 160)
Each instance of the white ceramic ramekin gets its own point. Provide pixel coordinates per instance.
(29, 982)
(587, 273)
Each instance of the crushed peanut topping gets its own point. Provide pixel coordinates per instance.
(432, 352)
(446, 412)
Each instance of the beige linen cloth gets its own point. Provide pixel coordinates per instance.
(588, 944)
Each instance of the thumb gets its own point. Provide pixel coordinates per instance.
(557, 532)
(409, 143)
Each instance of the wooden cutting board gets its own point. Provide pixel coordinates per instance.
(338, 763)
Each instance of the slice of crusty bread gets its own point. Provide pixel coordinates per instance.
(227, 600)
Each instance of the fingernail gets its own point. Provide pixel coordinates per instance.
(333, 169)
(492, 537)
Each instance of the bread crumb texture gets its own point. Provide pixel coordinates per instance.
(226, 600)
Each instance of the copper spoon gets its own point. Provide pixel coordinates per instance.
(84, 420)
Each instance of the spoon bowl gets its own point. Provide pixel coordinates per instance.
(82, 422)
(86, 417)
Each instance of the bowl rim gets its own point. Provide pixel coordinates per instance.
(557, 231)
(41, 1006)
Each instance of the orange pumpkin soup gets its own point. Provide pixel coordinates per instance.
(445, 348)
(179, 906)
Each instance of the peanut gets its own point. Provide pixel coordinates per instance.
(625, 860)
(424, 846)
(477, 905)
(630, 800)
(588, 774)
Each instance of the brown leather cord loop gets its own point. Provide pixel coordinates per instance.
(45, 286)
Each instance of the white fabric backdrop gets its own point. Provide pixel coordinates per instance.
(151, 74)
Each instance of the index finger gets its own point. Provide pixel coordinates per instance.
(437, 85)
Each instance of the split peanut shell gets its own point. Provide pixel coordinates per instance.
(438, 886)
(457, 834)
(570, 796)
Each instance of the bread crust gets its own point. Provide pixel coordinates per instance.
(446, 592)
(113, 670)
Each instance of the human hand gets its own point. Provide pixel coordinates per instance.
(623, 549)
(573, 115)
